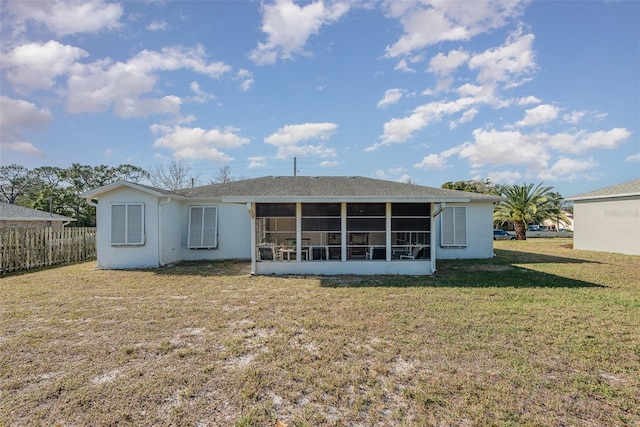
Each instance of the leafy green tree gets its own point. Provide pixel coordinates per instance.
(555, 208)
(58, 190)
(15, 181)
(473, 186)
(524, 204)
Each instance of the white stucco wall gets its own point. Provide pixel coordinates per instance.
(119, 257)
(607, 225)
(479, 233)
(234, 233)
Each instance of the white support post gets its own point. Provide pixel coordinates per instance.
(251, 209)
(388, 232)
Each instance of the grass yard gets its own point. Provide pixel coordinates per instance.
(540, 335)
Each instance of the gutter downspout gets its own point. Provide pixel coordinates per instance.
(160, 204)
(252, 213)
(435, 214)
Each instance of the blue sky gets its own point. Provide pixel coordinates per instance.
(418, 90)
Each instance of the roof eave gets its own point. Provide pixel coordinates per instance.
(93, 194)
(325, 199)
(603, 196)
(27, 219)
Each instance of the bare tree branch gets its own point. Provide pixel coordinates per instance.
(173, 176)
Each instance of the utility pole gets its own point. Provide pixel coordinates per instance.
(295, 168)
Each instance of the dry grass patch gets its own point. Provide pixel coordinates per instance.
(540, 335)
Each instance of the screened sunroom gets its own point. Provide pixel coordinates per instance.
(323, 237)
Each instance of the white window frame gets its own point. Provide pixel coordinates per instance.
(129, 240)
(199, 243)
(458, 226)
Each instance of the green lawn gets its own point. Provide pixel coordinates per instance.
(540, 335)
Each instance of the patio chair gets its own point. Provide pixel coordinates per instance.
(266, 253)
(418, 252)
(378, 252)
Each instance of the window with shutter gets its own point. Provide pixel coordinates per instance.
(453, 226)
(127, 224)
(203, 227)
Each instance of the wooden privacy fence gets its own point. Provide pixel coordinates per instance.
(25, 248)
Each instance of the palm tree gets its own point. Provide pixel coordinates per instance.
(524, 204)
(555, 207)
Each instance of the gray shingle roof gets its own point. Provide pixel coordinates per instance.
(329, 187)
(630, 188)
(9, 212)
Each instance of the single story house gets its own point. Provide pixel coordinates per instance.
(608, 219)
(294, 225)
(14, 216)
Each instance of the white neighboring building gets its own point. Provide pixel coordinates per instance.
(608, 219)
(294, 225)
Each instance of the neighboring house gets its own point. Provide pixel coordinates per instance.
(294, 225)
(608, 219)
(560, 225)
(14, 216)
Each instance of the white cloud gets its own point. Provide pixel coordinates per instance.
(65, 17)
(406, 178)
(21, 147)
(201, 95)
(399, 130)
(36, 65)
(288, 26)
(426, 23)
(246, 79)
(529, 100)
(18, 116)
(146, 107)
(257, 162)
(381, 174)
(633, 158)
(444, 65)
(398, 174)
(538, 115)
(504, 177)
(432, 162)
(288, 137)
(403, 66)
(513, 59)
(198, 143)
(391, 96)
(466, 117)
(492, 147)
(104, 84)
(566, 168)
(158, 26)
(582, 141)
(574, 117)
(437, 161)
(486, 93)
(178, 57)
(329, 163)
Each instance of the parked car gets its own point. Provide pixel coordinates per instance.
(503, 235)
(536, 228)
